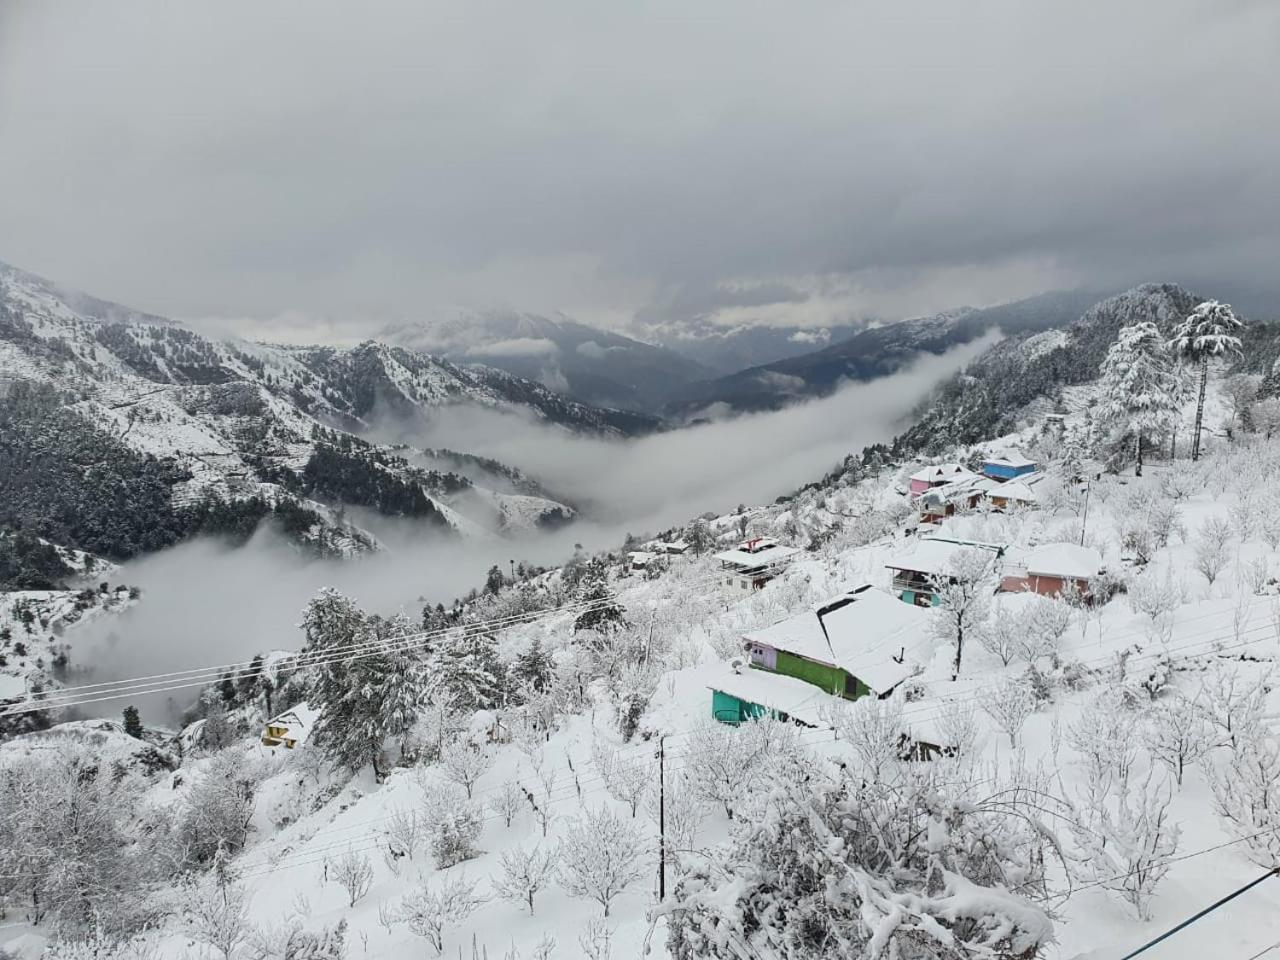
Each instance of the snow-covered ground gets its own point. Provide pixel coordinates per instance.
(1194, 549)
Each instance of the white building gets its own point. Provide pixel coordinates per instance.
(753, 563)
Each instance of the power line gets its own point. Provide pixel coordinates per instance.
(1274, 871)
(66, 697)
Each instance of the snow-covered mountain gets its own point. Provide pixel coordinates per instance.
(124, 432)
(875, 352)
(726, 349)
(596, 366)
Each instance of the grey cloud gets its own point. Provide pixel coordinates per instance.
(240, 160)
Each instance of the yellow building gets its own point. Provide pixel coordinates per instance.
(290, 728)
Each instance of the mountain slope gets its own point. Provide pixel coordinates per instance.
(875, 352)
(595, 366)
(985, 399)
(123, 433)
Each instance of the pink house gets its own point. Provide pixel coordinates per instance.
(936, 475)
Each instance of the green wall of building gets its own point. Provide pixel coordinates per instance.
(830, 679)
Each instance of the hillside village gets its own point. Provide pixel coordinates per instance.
(1012, 700)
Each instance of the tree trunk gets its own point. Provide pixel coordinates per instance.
(1204, 380)
(955, 673)
(1138, 471)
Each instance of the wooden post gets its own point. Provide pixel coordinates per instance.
(662, 818)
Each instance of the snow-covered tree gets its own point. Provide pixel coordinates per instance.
(363, 700)
(1105, 739)
(1154, 596)
(466, 665)
(1266, 416)
(700, 537)
(1241, 389)
(682, 810)
(1009, 705)
(1126, 838)
(1210, 551)
(354, 873)
(721, 759)
(1246, 795)
(507, 800)
(431, 910)
(464, 765)
(218, 810)
(1177, 734)
(874, 730)
(404, 832)
(1045, 622)
(68, 840)
(600, 855)
(526, 871)
(964, 598)
(1233, 704)
(1210, 330)
(626, 779)
(1002, 635)
(1139, 387)
(453, 822)
(601, 610)
(218, 918)
(534, 667)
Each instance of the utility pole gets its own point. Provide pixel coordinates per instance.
(662, 819)
(1085, 519)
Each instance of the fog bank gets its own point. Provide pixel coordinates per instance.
(205, 603)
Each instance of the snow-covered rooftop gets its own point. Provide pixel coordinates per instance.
(1063, 560)
(932, 555)
(1013, 460)
(296, 721)
(941, 472)
(797, 699)
(756, 553)
(870, 634)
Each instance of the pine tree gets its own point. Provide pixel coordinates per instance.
(1139, 386)
(535, 666)
(494, 581)
(132, 722)
(700, 537)
(363, 701)
(1209, 331)
(467, 666)
(601, 609)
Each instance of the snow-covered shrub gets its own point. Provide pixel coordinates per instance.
(1211, 554)
(841, 865)
(596, 940)
(1155, 596)
(507, 801)
(453, 823)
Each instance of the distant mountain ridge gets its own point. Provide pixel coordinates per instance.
(874, 352)
(121, 432)
(596, 366)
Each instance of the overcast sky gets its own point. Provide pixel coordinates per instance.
(330, 165)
